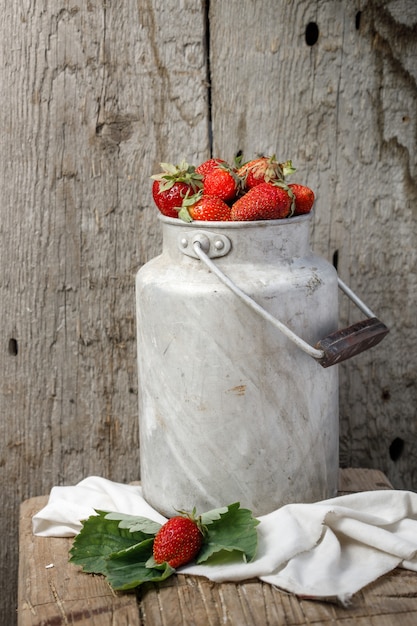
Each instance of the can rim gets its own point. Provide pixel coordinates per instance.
(174, 221)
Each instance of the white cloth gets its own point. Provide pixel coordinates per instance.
(328, 549)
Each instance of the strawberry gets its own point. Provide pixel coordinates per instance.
(222, 181)
(304, 198)
(265, 201)
(178, 541)
(172, 185)
(204, 207)
(264, 169)
(169, 200)
(208, 166)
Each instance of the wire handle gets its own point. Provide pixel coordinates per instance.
(335, 348)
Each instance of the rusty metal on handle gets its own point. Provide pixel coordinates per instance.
(336, 347)
(347, 342)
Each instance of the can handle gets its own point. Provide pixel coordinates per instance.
(336, 347)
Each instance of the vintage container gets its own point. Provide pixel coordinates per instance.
(230, 407)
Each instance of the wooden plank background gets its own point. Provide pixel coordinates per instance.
(94, 95)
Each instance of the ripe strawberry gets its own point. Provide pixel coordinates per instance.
(169, 200)
(178, 541)
(208, 166)
(222, 181)
(264, 170)
(206, 208)
(266, 201)
(172, 185)
(304, 198)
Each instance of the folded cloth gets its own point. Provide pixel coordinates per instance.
(328, 549)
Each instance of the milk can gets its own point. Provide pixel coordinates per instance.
(238, 390)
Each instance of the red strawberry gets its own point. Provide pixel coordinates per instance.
(207, 208)
(222, 181)
(178, 541)
(169, 200)
(264, 170)
(208, 166)
(172, 185)
(304, 198)
(266, 201)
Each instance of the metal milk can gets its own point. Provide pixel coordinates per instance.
(237, 355)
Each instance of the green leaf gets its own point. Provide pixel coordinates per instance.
(234, 531)
(128, 568)
(119, 547)
(184, 215)
(210, 516)
(98, 538)
(167, 184)
(288, 168)
(171, 168)
(135, 523)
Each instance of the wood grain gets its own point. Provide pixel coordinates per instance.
(344, 110)
(97, 95)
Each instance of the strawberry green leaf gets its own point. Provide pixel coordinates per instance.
(214, 514)
(167, 184)
(288, 168)
(234, 531)
(135, 523)
(98, 538)
(173, 169)
(119, 547)
(128, 568)
(184, 215)
(152, 563)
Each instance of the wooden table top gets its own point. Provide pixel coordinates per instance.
(53, 591)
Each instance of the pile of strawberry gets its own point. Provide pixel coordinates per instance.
(216, 191)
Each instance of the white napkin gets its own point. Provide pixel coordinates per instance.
(328, 549)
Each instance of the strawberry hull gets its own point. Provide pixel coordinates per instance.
(231, 409)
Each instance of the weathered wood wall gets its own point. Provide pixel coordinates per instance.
(344, 109)
(94, 95)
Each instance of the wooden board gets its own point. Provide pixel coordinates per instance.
(94, 96)
(323, 105)
(54, 592)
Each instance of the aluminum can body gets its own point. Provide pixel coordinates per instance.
(230, 409)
